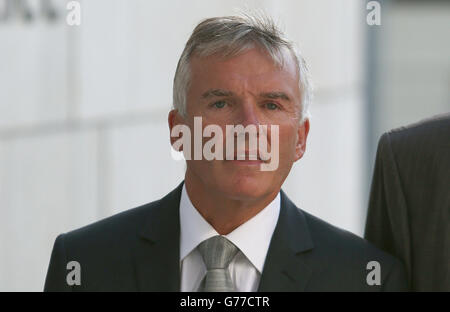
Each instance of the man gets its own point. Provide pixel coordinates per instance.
(409, 208)
(228, 226)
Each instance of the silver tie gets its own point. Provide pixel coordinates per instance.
(217, 253)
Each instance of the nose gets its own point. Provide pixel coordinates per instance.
(249, 114)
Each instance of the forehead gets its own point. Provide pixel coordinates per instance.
(253, 68)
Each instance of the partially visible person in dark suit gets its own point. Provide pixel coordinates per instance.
(229, 226)
(409, 207)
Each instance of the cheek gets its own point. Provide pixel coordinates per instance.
(288, 142)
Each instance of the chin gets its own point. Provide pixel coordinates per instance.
(246, 188)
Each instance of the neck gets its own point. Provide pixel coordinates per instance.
(223, 213)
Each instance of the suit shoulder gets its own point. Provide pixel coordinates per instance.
(116, 227)
(343, 261)
(342, 245)
(434, 130)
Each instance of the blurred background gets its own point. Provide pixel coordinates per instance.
(83, 109)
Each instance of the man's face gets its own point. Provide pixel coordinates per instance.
(248, 89)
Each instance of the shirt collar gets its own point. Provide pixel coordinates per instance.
(252, 237)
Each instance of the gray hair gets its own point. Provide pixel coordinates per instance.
(229, 36)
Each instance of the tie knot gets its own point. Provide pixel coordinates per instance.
(217, 252)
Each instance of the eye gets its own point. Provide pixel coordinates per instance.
(272, 106)
(219, 104)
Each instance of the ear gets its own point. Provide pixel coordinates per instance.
(302, 135)
(174, 119)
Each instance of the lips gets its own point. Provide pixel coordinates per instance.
(247, 155)
(246, 158)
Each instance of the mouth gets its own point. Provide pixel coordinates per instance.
(247, 162)
(247, 158)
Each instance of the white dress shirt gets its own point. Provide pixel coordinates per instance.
(252, 238)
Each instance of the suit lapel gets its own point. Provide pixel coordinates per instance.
(285, 268)
(156, 254)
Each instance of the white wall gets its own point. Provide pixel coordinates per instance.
(83, 112)
(413, 64)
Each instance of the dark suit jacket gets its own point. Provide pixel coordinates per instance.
(409, 207)
(138, 250)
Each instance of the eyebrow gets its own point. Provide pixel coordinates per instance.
(275, 95)
(270, 95)
(216, 92)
